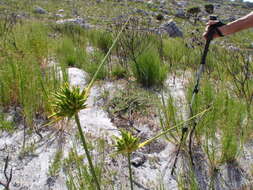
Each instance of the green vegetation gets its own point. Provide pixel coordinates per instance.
(209, 8)
(66, 103)
(126, 145)
(70, 55)
(131, 102)
(24, 78)
(6, 125)
(77, 171)
(35, 54)
(56, 165)
(102, 40)
(194, 11)
(148, 69)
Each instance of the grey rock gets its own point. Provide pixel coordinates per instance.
(204, 19)
(182, 3)
(143, 12)
(77, 77)
(40, 10)
(165, 11)
(138, 161)
(78, 21)
(138, 1)
(59, 15)
(233, 48)
(180, 13)
(172, 29)
(60, 10)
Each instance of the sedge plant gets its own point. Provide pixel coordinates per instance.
(68, 101)
(126, 145)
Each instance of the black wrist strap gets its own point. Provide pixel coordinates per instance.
(214, 29)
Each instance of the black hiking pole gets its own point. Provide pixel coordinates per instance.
(212, 31)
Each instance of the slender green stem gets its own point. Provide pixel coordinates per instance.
(130, 171)
(172, 128)
(87, 151)
(106, 56)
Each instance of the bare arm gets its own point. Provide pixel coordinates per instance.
(232, 27)
(238, 25)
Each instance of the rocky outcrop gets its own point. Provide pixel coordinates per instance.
(172, 29)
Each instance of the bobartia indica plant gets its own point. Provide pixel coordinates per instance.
(126, 145)
(66, 103)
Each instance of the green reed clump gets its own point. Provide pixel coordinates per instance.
(148, 69)
(24, 84)
(5, 125)
(223, 126)
(78, 174)
(56, 165)
(179, 54)
(24, 80)
(70, 54)
(91, 67)
(32, 38)
(169, 117)
(119, 71)
(101, 39)
(187, 181)
(234, 114)
(73, 31)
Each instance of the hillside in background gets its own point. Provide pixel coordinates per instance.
(97, 94)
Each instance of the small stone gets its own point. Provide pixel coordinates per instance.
(40, 10)
(182, 3)
(59, 15)
(138, 161)
(60, 10)
(78, 21)
(180, 13)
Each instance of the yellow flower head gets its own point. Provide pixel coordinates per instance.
(127, 143)
(68, 101)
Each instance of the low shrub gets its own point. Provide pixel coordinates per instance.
(148, 69)
(209, 8)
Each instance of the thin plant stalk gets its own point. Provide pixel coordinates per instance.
(106, 56)
(130, 170)
(172, 128)
(93, 173)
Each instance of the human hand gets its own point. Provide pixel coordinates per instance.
(208, 28)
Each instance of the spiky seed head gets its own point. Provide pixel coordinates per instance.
(68, 101)
(127, 143)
